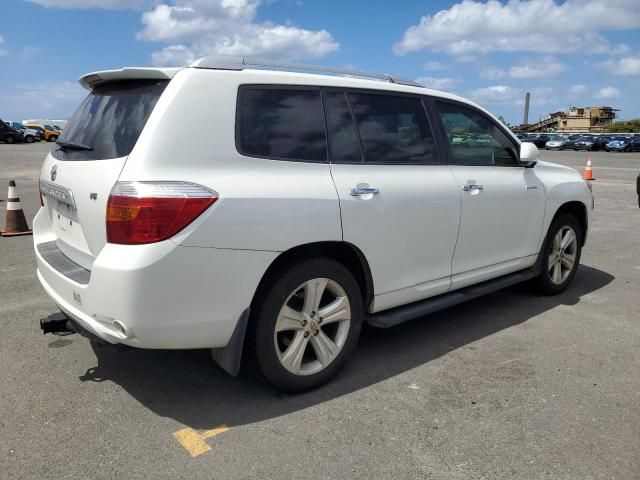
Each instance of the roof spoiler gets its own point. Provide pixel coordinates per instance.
(92, 80)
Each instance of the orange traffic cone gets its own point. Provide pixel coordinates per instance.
(588, 173)
(15, 223)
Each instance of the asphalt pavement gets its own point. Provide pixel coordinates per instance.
(512, 385)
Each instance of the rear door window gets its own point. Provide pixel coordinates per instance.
(393, 129)
(109, 120)
(281, 123)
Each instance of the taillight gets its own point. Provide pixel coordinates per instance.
(147, 212)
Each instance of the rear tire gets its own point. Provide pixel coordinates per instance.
(29, 139)
(53, 138)
(560, 253)
(306, 324)
(10, 139)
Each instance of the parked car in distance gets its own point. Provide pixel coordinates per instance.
(635, 144)
(9, 134)
(318, 203)
(586, 142)
(619, 144)
(52, 128)
(48, 134)
(30, 135)
(600, 142)
(541, 140)
(555, 143)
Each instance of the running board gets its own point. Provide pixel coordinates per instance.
(395, 316)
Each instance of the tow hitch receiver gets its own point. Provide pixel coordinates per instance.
(57, 324)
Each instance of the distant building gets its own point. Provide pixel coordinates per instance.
(577, 119)
(590, 119)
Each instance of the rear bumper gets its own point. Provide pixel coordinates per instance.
(160, 295)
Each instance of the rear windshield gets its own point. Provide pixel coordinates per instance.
(109, 121)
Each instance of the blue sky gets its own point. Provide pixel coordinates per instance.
(574, 52)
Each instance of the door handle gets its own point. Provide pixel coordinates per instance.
(356, 192)
(468, 188)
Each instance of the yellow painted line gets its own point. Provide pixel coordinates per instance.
(194, 442)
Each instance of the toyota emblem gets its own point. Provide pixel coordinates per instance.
(54, 172)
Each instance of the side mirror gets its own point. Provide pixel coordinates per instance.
(529, 154)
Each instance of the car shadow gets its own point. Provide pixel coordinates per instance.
(188, 387)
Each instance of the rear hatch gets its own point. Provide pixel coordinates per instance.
(87, 160)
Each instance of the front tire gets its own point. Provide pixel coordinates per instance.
(53, 138)
(29, 139)
(560, 255)
(306, 324)
(10, 139)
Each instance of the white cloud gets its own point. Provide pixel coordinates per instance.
(173, 55)
(105, 4)
(493, 73)
(607, 93)
(626, 66)
(534, 26)
(41, 100)
(433, 66)
(544, 67)
(2, 50)
(577, 90)
(465, 58)
(536, 68)
(495, 94)
(620, 49)
(442, 83)
(195, 28)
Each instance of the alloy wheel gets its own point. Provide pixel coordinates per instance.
(563, 255)
(312, 326)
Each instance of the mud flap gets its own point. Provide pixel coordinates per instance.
(229, 357)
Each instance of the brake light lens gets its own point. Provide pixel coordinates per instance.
(148, 212)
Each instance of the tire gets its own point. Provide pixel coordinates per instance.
(53, 138)
(29, 139)
(627, 149)
(10, 139)
(551, 281)
(302, 326)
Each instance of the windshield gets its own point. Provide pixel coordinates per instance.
(110, 120)
(48, 127)
(619, 139)
(557, 138)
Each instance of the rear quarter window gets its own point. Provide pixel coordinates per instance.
(281, 124)
(110, 120)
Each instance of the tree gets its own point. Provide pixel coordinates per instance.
(629, 126)
(501, 118)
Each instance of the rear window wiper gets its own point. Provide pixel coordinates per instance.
(73, 145)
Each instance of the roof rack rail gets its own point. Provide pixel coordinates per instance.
(224, 62)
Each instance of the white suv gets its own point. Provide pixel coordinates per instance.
(302, 206)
